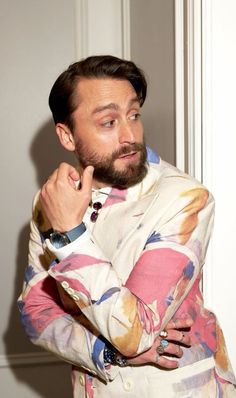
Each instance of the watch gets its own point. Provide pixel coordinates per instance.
(60, 239)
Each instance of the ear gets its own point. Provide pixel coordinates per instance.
(65, 137)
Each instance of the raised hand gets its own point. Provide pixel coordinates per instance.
(63, 203)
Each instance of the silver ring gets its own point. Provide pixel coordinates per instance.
(157, 358)
(164, 343)
(163, 334)
(161, 348)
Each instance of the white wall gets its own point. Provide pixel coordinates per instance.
(152, 48)
(209, 84)
(219, 136)
(38, 39)
(37, 42)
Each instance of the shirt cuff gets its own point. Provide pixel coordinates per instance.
(72, 247)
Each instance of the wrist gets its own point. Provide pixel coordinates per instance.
(113, 357)
(59, 239)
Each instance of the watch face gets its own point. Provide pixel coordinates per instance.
(59, 239)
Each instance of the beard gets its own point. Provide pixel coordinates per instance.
(105, 170)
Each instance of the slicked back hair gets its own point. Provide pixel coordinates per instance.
(63, 98)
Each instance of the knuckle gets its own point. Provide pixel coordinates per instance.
(86, 197)
(43, 192)
(60, 183)
(47, 188)
(180, 335)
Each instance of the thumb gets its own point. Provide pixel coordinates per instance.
(87, 179)
(73, 177)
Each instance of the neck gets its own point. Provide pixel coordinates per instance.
(95, 183)
(98, 185)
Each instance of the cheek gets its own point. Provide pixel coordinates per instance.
(106, 142)
(139, 131)
(104, 145)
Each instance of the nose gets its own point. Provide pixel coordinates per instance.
(126, 134)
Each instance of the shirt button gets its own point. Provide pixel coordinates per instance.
(75, 297)
(65, 285)
(81, 380)
(128, 384)
(70, 291)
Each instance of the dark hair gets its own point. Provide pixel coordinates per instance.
(63, 100)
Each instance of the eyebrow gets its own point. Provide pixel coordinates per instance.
(113, 106)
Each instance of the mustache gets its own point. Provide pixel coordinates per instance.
(136, 147)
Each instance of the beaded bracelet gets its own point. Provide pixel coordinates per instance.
(113, 357)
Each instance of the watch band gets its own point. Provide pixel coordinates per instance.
(75, 233)
(61, 239)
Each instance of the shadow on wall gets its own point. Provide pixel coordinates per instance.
(47, 153)
(48, 381)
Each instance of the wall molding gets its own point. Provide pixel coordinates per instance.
(179, 85)
(81, 29)
(188, 89)
(26, 359)
(125, 31)
(207, 134)
(198, 108)
(194, 88)
(100, 28)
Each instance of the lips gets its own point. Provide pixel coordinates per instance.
(127, 155)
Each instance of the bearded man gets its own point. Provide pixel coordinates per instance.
(116, 251)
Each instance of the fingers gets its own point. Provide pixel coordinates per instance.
(181, 338)
(152, 356)
(166, 347)
(179, 323)
(64, 204)
(169, 343)
(178, 331)
(166, 363)
(87, 180)
(166, 352)
(169, 346)
(65, 171)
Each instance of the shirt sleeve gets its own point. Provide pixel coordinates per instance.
(131, 315)
(66, 250)
(49, 315)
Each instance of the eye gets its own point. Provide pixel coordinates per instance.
(109, 123)
(135, 116)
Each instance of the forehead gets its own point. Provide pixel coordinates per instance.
(95, 92)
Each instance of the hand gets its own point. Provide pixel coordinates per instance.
(62, 202)
(176, 337)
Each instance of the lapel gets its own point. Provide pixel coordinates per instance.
(122, 229)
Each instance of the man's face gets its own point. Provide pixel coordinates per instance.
(108, 132)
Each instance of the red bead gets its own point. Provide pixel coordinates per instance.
(94, 216)
(97, 206)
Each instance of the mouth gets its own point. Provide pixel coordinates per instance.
(129, 155)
